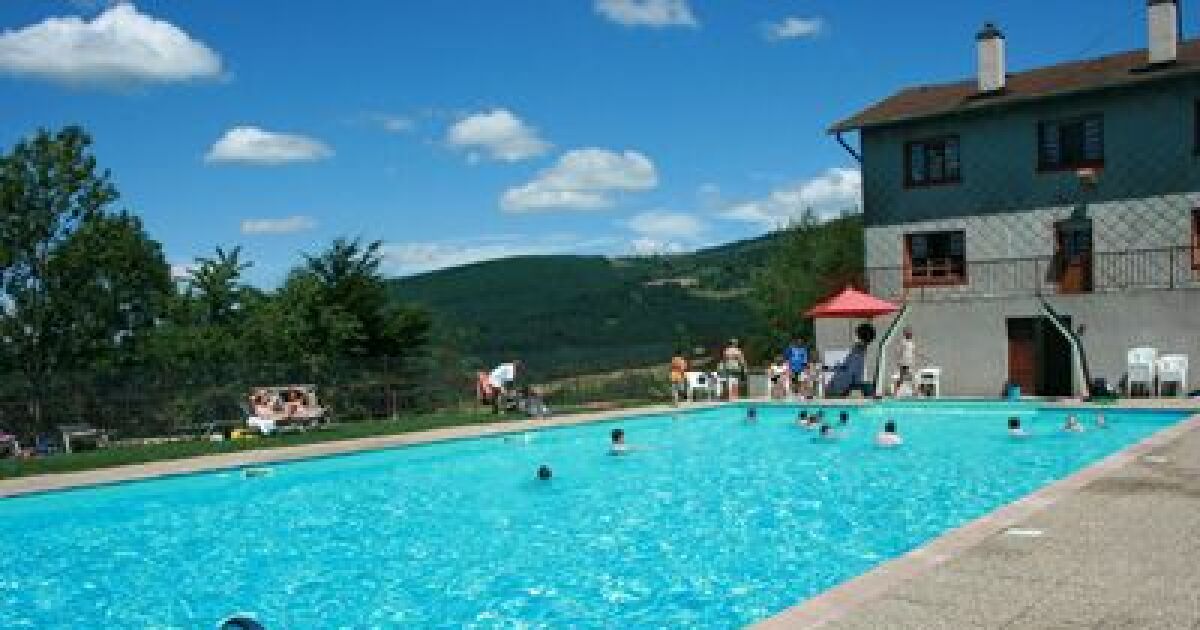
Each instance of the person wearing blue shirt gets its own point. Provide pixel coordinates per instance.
(797, 358)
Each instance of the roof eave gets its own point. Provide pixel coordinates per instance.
(1174, 71)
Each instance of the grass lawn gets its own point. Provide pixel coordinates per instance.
(140, 454)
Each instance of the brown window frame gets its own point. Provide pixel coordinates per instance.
(1196, 128)
(1046, 166)
(1196, 238)
(934, 148)
(947, 272)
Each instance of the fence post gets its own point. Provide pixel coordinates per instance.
(1171, 271)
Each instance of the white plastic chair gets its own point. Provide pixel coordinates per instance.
(930, 377)
(1173, 368)
(1141, 368)
(700, 382)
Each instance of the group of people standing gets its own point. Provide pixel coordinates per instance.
(730, 374)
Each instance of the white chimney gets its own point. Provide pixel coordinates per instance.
(990, 42)
(1164, 31)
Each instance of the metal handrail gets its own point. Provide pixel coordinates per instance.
(1157, 268)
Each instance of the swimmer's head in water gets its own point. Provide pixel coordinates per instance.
(544, 473)
(1014, 422)
(889, 426)
(618, 436)
(803, 413)
(825, 429)
(844, 417)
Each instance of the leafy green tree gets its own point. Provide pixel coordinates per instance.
(108, 285)
(345, 299)
(216, 284)
(811, 260)
(49, 187)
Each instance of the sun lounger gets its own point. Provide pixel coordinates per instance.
(81, 432)
(9, 444)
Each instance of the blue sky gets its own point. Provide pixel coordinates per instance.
(456, 130)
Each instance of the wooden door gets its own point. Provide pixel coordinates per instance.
(1022, 355)
(1073, 250)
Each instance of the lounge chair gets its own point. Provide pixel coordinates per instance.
(9, 444)
(278, 414)
(80, 432)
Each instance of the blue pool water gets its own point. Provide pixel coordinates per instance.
(715, 524)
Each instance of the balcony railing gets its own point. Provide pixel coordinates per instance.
(1099, 272)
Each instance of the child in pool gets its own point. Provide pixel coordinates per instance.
(888, 437)
(1014, 428)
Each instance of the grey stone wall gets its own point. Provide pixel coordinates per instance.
(1149, 150)
(968, 338)
(1131, 225)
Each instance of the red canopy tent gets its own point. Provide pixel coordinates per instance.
(851, 304)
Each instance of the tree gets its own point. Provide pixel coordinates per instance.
(216, 283)
(108, 284)
(79, 284)
(346, 299)
(812, 260)
(49, 187)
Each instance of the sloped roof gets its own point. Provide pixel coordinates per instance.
(930, 101)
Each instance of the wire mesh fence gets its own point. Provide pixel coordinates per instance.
(142, 403)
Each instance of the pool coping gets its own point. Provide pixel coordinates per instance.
(836, 603)
(56, 482)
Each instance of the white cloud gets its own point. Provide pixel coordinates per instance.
(254, 146)
(583, 179)
(667, 225)
(828, 195)
(182, 271)
(498, 135)
(288, 225)
(645, 246)
(651, 13)
(119, 46)
(793, 28)
(419, 257)
(394, 124)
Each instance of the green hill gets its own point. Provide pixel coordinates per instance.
(576, 314)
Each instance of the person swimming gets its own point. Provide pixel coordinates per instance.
(1101, 423)
(1072, 425)
(1014, 428)
(544, 473)
(751, 415)
(888, 437)
(844, 418)
(826, 434)
(618, 446)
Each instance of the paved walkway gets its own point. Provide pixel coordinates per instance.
(1116, 547)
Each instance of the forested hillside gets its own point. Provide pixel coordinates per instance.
(579, 314)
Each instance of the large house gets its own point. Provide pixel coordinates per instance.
(995, 206)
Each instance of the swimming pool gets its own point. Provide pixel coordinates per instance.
(714, 524)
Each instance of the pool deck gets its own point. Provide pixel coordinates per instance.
(34, 484)
(1114, 546)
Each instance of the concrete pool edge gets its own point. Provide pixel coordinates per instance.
(838, 602)
(55, 482)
